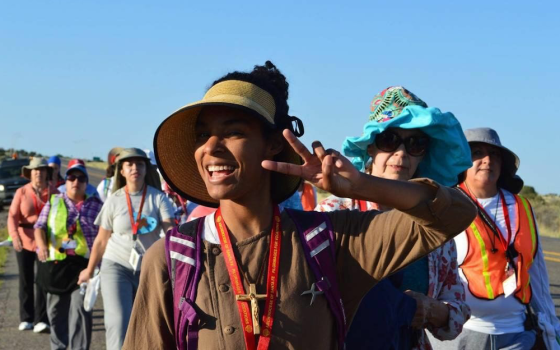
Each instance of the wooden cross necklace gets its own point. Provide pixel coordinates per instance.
(252, 296)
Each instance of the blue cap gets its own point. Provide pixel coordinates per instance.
(55, 160)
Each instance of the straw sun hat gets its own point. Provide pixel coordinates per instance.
(174, 141)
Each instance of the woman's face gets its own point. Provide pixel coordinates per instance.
(39, 175)
(398, 164)
(76, 183)
(134, 169)
(486, 168)
(230, 146)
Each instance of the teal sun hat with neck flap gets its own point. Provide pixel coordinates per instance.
(395, 107)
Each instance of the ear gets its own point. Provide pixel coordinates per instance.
(275, 144)
(370, 150)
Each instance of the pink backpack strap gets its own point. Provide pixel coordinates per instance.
(318, 242)
(183, 251)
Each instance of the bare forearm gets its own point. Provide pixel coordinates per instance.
(40, 238)
(390, 193)
(97, 252)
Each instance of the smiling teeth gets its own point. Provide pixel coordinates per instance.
(220, 167)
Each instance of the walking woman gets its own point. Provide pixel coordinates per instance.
(24, 211)
(64, 233)
(405, 139)
(106, 185)
(501, 258)
(258, 277)
(129, 223)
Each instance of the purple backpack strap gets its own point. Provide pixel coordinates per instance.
(183, 251)
(317, 238)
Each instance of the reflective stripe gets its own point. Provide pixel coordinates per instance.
(183, 258)
(533, 241)
(315, 231)
(484, 254)
(531, 225)
(320, 248)
(52, 223)
(182, 241)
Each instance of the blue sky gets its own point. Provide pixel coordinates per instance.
(80, 77)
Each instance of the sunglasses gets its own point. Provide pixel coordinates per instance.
(80, 178)
(415, 145)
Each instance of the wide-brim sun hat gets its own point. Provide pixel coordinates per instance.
(510, 161)
(174, 141)
(152, 176)
(113, 154)
(36, 163)
(448, 154)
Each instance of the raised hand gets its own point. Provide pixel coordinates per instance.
(326, 169)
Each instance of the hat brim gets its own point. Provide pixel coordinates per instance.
(26, 171)
(448, 154)
(174, 147)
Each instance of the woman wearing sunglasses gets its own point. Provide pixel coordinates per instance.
(404, 139)
(129, 223)
(64, 233)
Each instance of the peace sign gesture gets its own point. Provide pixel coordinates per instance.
(326, 169)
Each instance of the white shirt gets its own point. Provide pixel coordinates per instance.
(506, 315)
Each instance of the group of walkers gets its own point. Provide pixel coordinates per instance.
(424, 243)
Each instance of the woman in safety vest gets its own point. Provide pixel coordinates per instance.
(405, 139)
(500, 258)
(64, 233)
(129, 223)
(250, 276)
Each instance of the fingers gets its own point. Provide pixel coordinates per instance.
(296, 144)
(281, 167)
(319, 150)
(327, 172)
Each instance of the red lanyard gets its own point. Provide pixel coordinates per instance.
(503, 242)
(508, 223)
(364, 207)
(135, 224)
(38, 208)
(237, 283)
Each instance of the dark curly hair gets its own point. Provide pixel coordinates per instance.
(270, 79)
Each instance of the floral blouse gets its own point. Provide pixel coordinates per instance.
(444, 284)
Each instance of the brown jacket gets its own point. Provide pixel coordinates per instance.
(370, 246)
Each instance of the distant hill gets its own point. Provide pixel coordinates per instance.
(547, 211)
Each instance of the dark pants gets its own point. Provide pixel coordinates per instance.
(32, 307)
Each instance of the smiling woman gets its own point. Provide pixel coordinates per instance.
(250, 274)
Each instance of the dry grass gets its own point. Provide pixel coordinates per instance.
(3, 251)
(98, 165)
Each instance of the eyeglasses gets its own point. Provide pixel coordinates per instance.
(72, 178)
(415, 145)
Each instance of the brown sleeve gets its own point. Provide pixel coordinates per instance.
(151, 322)
(372, 245)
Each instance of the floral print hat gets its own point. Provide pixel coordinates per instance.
(396, 107)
